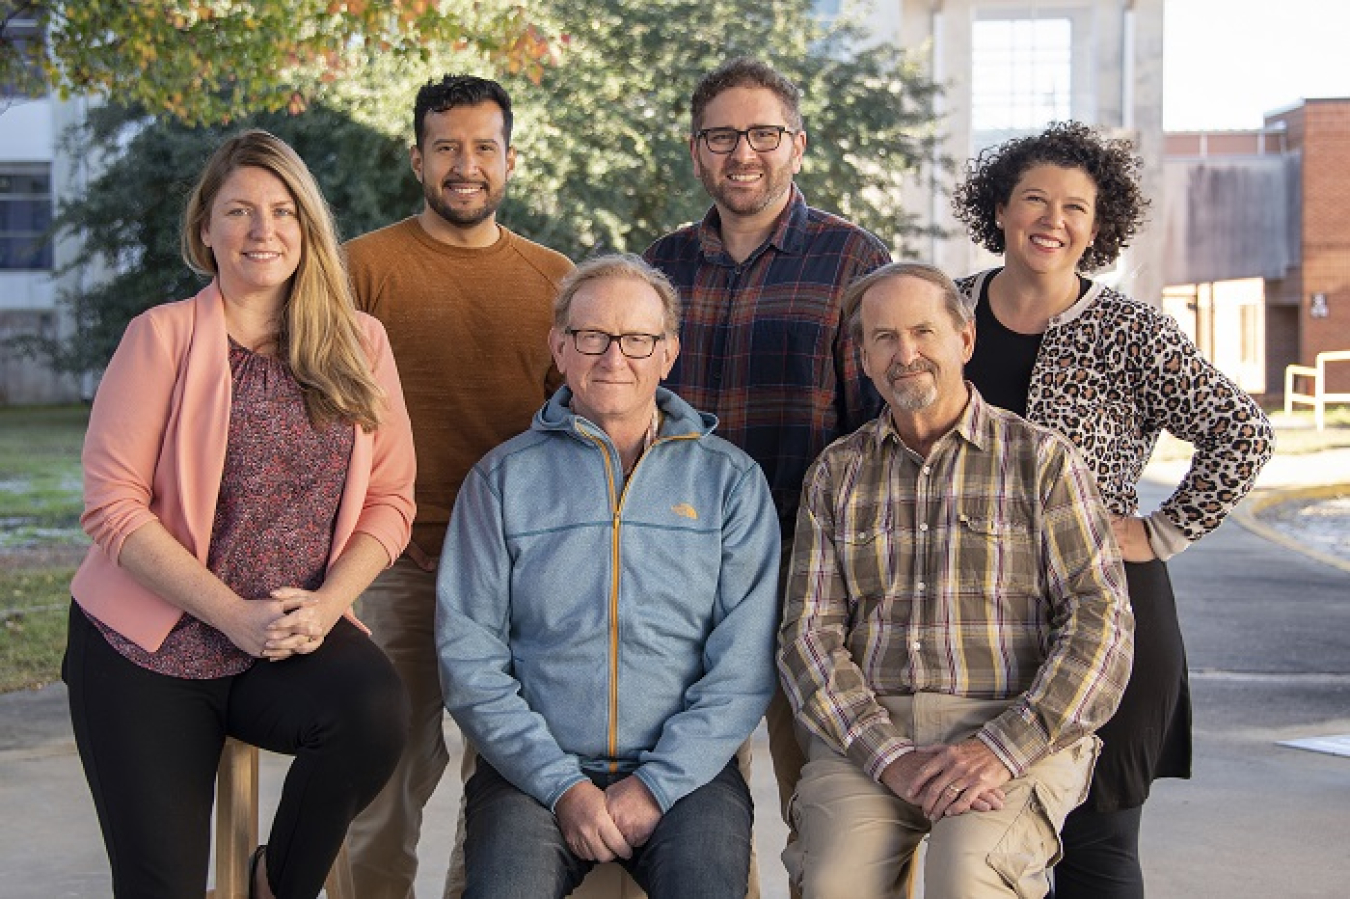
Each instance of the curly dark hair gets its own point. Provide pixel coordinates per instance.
(1111, 163)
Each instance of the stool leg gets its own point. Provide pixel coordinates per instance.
(236, 818)
(339, 884)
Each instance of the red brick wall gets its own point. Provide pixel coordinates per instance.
(1281, 346)
(1325, 140)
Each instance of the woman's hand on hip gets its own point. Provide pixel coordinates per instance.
(1133, 538)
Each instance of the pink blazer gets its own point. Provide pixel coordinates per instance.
(155, 450)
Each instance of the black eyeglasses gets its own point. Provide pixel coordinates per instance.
(761, 138)
(596, 343)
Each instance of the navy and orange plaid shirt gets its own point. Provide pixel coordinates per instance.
(763, 344)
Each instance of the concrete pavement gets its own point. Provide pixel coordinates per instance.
(1268, 636)
(1268, 645)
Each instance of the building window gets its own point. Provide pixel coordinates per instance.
(25, 217)
(23, 76)
(1021, 77)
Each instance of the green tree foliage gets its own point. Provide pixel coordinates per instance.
(211, 61)
(128, 220)
(604, 137)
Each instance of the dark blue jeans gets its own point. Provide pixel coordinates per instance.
(514, 849)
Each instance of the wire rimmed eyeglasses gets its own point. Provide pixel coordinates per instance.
(761, 138)
(590, 342)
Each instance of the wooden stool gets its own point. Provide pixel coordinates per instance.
(237, 828)
(608, 881)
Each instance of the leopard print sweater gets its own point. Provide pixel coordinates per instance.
(1111, 375)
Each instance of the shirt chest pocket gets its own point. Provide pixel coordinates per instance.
(872, 565)
(997, 554)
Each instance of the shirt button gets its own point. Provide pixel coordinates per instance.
(927, 469)
(915, 646)
(923, 526)
(921, 586)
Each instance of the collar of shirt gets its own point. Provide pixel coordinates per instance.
(648, 439)
(973, 426)
(788, 235)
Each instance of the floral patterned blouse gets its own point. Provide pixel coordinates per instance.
(279, 496)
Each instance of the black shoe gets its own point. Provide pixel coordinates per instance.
(253, 861)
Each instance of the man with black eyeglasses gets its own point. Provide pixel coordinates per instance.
(606, 607)
(763, 345)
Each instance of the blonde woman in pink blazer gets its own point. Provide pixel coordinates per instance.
(248, 471)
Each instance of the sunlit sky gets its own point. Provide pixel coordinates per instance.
(1228, 62)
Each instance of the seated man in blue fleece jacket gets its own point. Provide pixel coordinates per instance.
(606, 611)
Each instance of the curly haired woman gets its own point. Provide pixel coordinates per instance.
(1111, 373)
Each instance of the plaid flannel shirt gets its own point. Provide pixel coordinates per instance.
(763, 344)
(987, 570)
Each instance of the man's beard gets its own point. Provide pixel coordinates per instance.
(463, 218)
(912, 395)
(777, 181)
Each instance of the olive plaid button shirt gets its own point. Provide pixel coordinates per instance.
(987, 570)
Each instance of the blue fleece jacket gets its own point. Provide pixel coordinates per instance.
(585, 623)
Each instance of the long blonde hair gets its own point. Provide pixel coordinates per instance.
(320, 337)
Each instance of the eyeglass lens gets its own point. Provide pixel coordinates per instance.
(596, 343)
(762, 139)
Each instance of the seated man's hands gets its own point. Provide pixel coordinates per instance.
(949, 780)
(633, 809)
(587, 826)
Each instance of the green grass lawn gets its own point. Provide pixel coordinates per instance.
(33, 608)
(40, 538)
(1294, 435)
(40, 471)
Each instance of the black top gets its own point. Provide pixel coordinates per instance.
(1000, 368)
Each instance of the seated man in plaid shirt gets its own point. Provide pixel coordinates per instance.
(956, 624)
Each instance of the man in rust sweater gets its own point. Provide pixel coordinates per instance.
(467, 305)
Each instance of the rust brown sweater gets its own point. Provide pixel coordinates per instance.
(469, 331)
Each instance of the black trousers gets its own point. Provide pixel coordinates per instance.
(1101, 856)
(150, 745)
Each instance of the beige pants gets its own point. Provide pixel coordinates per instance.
(400, 610)
(855, 837)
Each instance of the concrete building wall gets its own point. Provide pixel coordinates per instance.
(1229, 217)
(1271, 203)
(29, 134)
(1116, 81)
(32, 131)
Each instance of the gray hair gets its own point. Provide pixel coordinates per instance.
(960, 307)
(617, 265)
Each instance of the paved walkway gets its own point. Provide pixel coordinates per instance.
(1268, 632)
